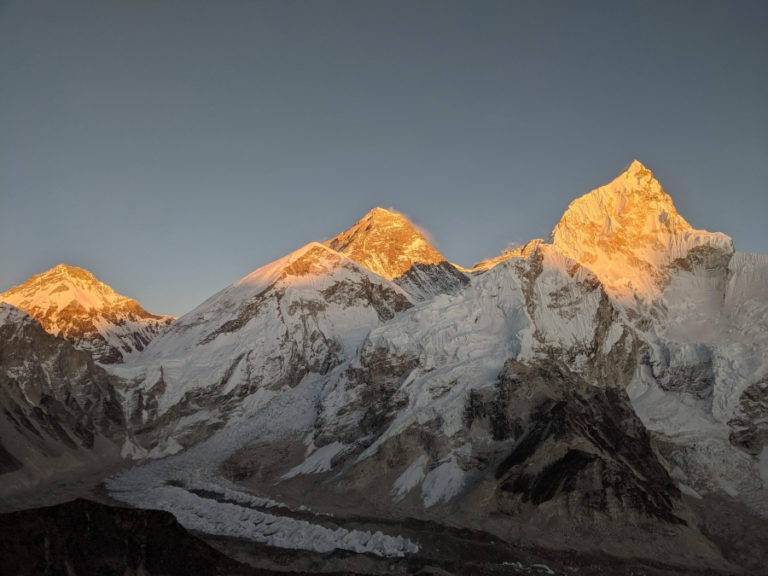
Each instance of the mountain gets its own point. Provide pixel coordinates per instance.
(59, 411)
(597, 399)
(628, 232)
(71, 303)
(386, 243)
(297, 318)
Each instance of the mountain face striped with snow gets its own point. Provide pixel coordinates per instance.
(71, 303)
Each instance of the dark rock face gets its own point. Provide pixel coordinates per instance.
(52, 396)
(580, 443)
(423, 281)
(84, 538)
(750, 427)
(7, 461)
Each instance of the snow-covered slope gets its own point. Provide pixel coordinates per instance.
(71, 303)
(302, 315)
(386, 243)
(703, 387)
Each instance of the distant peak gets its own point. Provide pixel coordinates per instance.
(72, 303)
(385, 242)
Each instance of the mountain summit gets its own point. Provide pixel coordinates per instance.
(628, 231)
(389, 245)
(386, 243)
(71, 303)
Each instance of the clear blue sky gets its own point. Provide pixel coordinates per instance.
(172, 146)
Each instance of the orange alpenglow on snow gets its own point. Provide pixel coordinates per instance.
(385, 243)
(71, 303)
(522, 252)
(627, 231)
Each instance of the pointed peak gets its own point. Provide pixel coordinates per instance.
(385, 215)
(386, 243)
(637, 168)
(72, 303)
(379, 211)
(69, 271)
(627, 230)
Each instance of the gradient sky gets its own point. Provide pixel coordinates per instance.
(172, 146)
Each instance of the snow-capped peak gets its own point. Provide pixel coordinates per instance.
(627, 231)
(386, 243)
(72, 303)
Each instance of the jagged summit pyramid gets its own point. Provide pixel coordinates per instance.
(388, 244)
(628, 231)
(72, 303)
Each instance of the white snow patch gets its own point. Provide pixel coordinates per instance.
(168, 448)
(409, 479)
(132, 450)
(688, 491)
(319, 461)
(442, 483)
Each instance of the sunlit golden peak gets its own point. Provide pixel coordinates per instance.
(378, 210)
(627, 231)
(69, 271)
(386, 243)
(384, 215)
(636, 167)
(72, 303)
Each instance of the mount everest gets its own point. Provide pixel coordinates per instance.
(600, 392)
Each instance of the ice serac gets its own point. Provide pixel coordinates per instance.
(628, 231)
(71, 303)
(386, 243)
